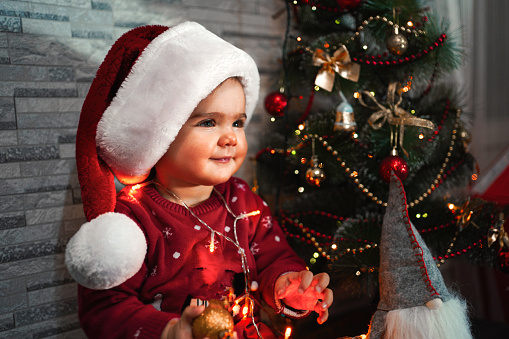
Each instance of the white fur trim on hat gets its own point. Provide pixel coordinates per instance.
(106, 251)
(177, 70)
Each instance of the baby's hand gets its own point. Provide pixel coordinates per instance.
(182, 328)
(303, 291)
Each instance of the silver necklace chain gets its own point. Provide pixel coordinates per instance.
(241, 251)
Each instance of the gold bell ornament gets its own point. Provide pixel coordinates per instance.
(214, 323)
(345, 120)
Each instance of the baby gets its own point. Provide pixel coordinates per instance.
(166, 115)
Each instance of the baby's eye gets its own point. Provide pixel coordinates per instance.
(207, 123)
(239, 123)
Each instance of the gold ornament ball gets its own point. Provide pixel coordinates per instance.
(215, 322)
(397, 44)
(315, 176)
(466, 137)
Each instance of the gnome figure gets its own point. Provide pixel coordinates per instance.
(414, 301)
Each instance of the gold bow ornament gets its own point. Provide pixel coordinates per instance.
(498, 233)
(339, 63)
(393, 114)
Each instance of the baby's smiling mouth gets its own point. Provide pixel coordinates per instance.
(222, 159)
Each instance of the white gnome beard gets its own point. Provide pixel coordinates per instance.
(420, 322)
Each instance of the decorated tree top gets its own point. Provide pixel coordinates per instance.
(365, 91)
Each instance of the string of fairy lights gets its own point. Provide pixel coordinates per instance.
(439, 176)
(353, 174)
(411, 28)
(322, 242)
(371, 59)
(388, 58)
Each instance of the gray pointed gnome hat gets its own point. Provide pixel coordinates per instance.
(408, 274)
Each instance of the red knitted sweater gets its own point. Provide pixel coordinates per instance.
(179, 265)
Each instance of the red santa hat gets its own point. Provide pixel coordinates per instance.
(148, 85)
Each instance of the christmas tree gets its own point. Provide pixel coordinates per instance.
(365, 91)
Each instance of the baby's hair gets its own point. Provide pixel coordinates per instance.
(235, 78)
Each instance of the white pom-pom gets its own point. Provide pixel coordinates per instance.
(106, 251)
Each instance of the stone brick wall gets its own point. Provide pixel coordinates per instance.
(49, 52)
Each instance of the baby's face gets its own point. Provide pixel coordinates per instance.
(211, 145)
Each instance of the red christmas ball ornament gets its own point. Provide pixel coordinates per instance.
(349, 4)
(395, 164)
(275, 104)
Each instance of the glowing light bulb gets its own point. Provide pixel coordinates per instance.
(334, 246)
(245, 311)
(212, 247)
(288, 332)
(132, 192)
